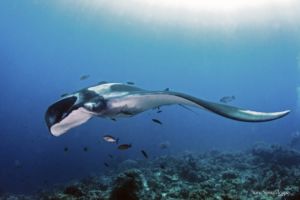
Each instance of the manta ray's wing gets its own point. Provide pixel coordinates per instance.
(155, 99)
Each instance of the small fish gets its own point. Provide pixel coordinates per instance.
(156, 108)
(295, 140)
(167, 89)
(45, 182)
(164, 145)
(157, 121)
(84, 77)
(130, 83)
(144, 153)
(159, 111)
(113, 119)
(111, 139)
(162, 166)
(111, 156)
(227, 99)
(85, 149)
(102, 82)
(17, 164)
(124, 146)
(106, 165)
(66, 149)
(63, 95)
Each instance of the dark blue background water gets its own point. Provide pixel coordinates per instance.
(44, 51)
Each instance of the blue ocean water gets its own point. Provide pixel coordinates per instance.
(44, 51)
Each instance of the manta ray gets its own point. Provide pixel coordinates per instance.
(115, 100)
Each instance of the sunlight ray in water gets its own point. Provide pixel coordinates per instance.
(194, 14)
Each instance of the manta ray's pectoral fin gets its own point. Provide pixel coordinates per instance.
(232, 112)
(235, 113)
(240, 114)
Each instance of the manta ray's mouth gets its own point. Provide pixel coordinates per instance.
(59, 110)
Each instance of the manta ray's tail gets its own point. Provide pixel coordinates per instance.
(231, 112)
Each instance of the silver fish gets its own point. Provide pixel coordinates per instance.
(111, 139)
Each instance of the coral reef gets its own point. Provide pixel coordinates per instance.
(276, 154)
(264, 172)
(73, 191)
(127, 186)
